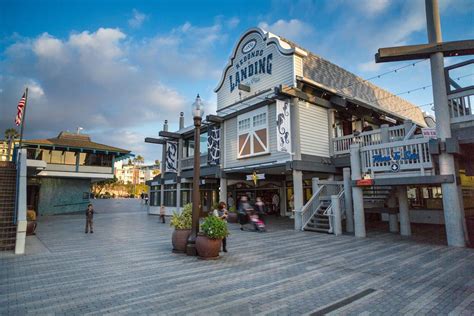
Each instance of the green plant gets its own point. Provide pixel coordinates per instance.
(214, 227)
(30, 215)
(233, 209)
(182, 220)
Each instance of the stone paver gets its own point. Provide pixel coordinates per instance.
(127, 267)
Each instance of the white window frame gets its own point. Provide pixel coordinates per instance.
(251, 131)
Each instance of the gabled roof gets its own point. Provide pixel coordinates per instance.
(74, 141)
(352, 86)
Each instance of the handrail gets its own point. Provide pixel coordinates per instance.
(307, 212)
(329, 213)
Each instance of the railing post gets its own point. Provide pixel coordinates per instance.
(336, 209)
(21, 204)
(357, 195)
(384, 133)
(298, 198)
(348, 200)
(315, 185)
(407, 126)
(331, 119)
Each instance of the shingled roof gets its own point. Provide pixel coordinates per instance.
(353, 87)
(77, 141)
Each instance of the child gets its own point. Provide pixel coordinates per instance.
(89, 218)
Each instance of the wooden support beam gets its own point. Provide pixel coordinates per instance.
(169, 134)
(214, 119)
(295, 92)
(411, 52)
(152, 140)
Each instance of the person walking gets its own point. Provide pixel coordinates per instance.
(244, 209)
(276, 204)
(260, 208)
(89, 218)
(162, 214)
(222, 213)
(230, 200)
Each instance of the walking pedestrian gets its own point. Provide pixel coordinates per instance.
(244, 209)
(222, 213)
(162, 213)
(89, 218)
(260, 208)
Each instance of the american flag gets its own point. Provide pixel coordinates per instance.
(21, 108)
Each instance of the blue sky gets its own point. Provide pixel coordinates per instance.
(119, 68)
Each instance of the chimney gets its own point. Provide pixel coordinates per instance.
(181, 120)
(165, 126)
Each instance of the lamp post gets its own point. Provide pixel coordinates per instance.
(197, 115)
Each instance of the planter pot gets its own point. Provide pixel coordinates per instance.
(232, 218)
(30, 227)
(179, 239)
(207, 248)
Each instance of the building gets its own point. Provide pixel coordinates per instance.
(133, 174)
(6, 150)
(289, 125)
(61, 170)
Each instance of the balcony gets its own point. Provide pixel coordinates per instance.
(461, 106)
(188, 163)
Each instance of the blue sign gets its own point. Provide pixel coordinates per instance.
(407, 155)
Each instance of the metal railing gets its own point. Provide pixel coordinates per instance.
(311, 207)
(342, 145)
(410, 155)
(461, 106)
(188, 163)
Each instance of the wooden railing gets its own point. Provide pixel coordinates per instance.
(408, 155)
(342, 145)
(461, 105)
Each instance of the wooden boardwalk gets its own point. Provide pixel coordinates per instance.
(127, 266)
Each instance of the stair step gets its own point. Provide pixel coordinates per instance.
(318, 230)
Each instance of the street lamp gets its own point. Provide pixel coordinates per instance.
(197, 115)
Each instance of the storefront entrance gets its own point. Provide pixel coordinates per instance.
(269, 193)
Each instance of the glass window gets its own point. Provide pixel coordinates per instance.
(244, 124)
(260, 120)
(203, 143)
(57, 157)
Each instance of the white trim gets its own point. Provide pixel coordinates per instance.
(60, 174)
(251, 135)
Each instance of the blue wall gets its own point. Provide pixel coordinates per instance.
(62, 195)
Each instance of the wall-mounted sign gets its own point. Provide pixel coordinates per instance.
(365, 182)
(171, 164)
(429, 133)
(283, 126)
(247, 48)
(397, 156)
(213, 146)
(395, 167)
(249, 66)
(255, 177)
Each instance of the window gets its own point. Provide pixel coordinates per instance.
(252, 133)
(90, 159)
(57, 157)
(69, 158)
(170, 195)
(186, 192)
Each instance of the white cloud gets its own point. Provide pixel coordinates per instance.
(372, 7)
(292, 29)
(137, 19)
(49, 47)
(369, 66)
(233, 22)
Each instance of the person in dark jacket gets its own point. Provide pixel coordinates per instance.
(89, 218)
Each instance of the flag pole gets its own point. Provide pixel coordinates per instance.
(23, 118)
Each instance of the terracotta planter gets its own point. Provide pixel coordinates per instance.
(30, 227)
(232, 217)
(207, 248)
(179, 239)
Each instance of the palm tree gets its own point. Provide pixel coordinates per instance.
(10, 135)
(139, 160)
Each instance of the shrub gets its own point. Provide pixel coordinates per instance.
(31, 215)
(214, 227)
(182, 220)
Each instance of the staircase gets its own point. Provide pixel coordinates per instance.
(7, 205)
(320, 220)
(318, 214)
(375, 198)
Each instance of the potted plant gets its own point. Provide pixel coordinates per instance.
(31, 222)
(208, 242)
(232, 216)
(182, 228)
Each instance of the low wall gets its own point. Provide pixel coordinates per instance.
(155, 210)
(63, 195)
(423, 216)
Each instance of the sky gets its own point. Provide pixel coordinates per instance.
(118, 69)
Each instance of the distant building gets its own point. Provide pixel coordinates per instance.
(133, 174)
(61, 170)
(6, 155)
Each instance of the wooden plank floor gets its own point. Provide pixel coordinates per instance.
(127, 266)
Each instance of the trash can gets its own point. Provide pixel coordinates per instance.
(470, 230)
